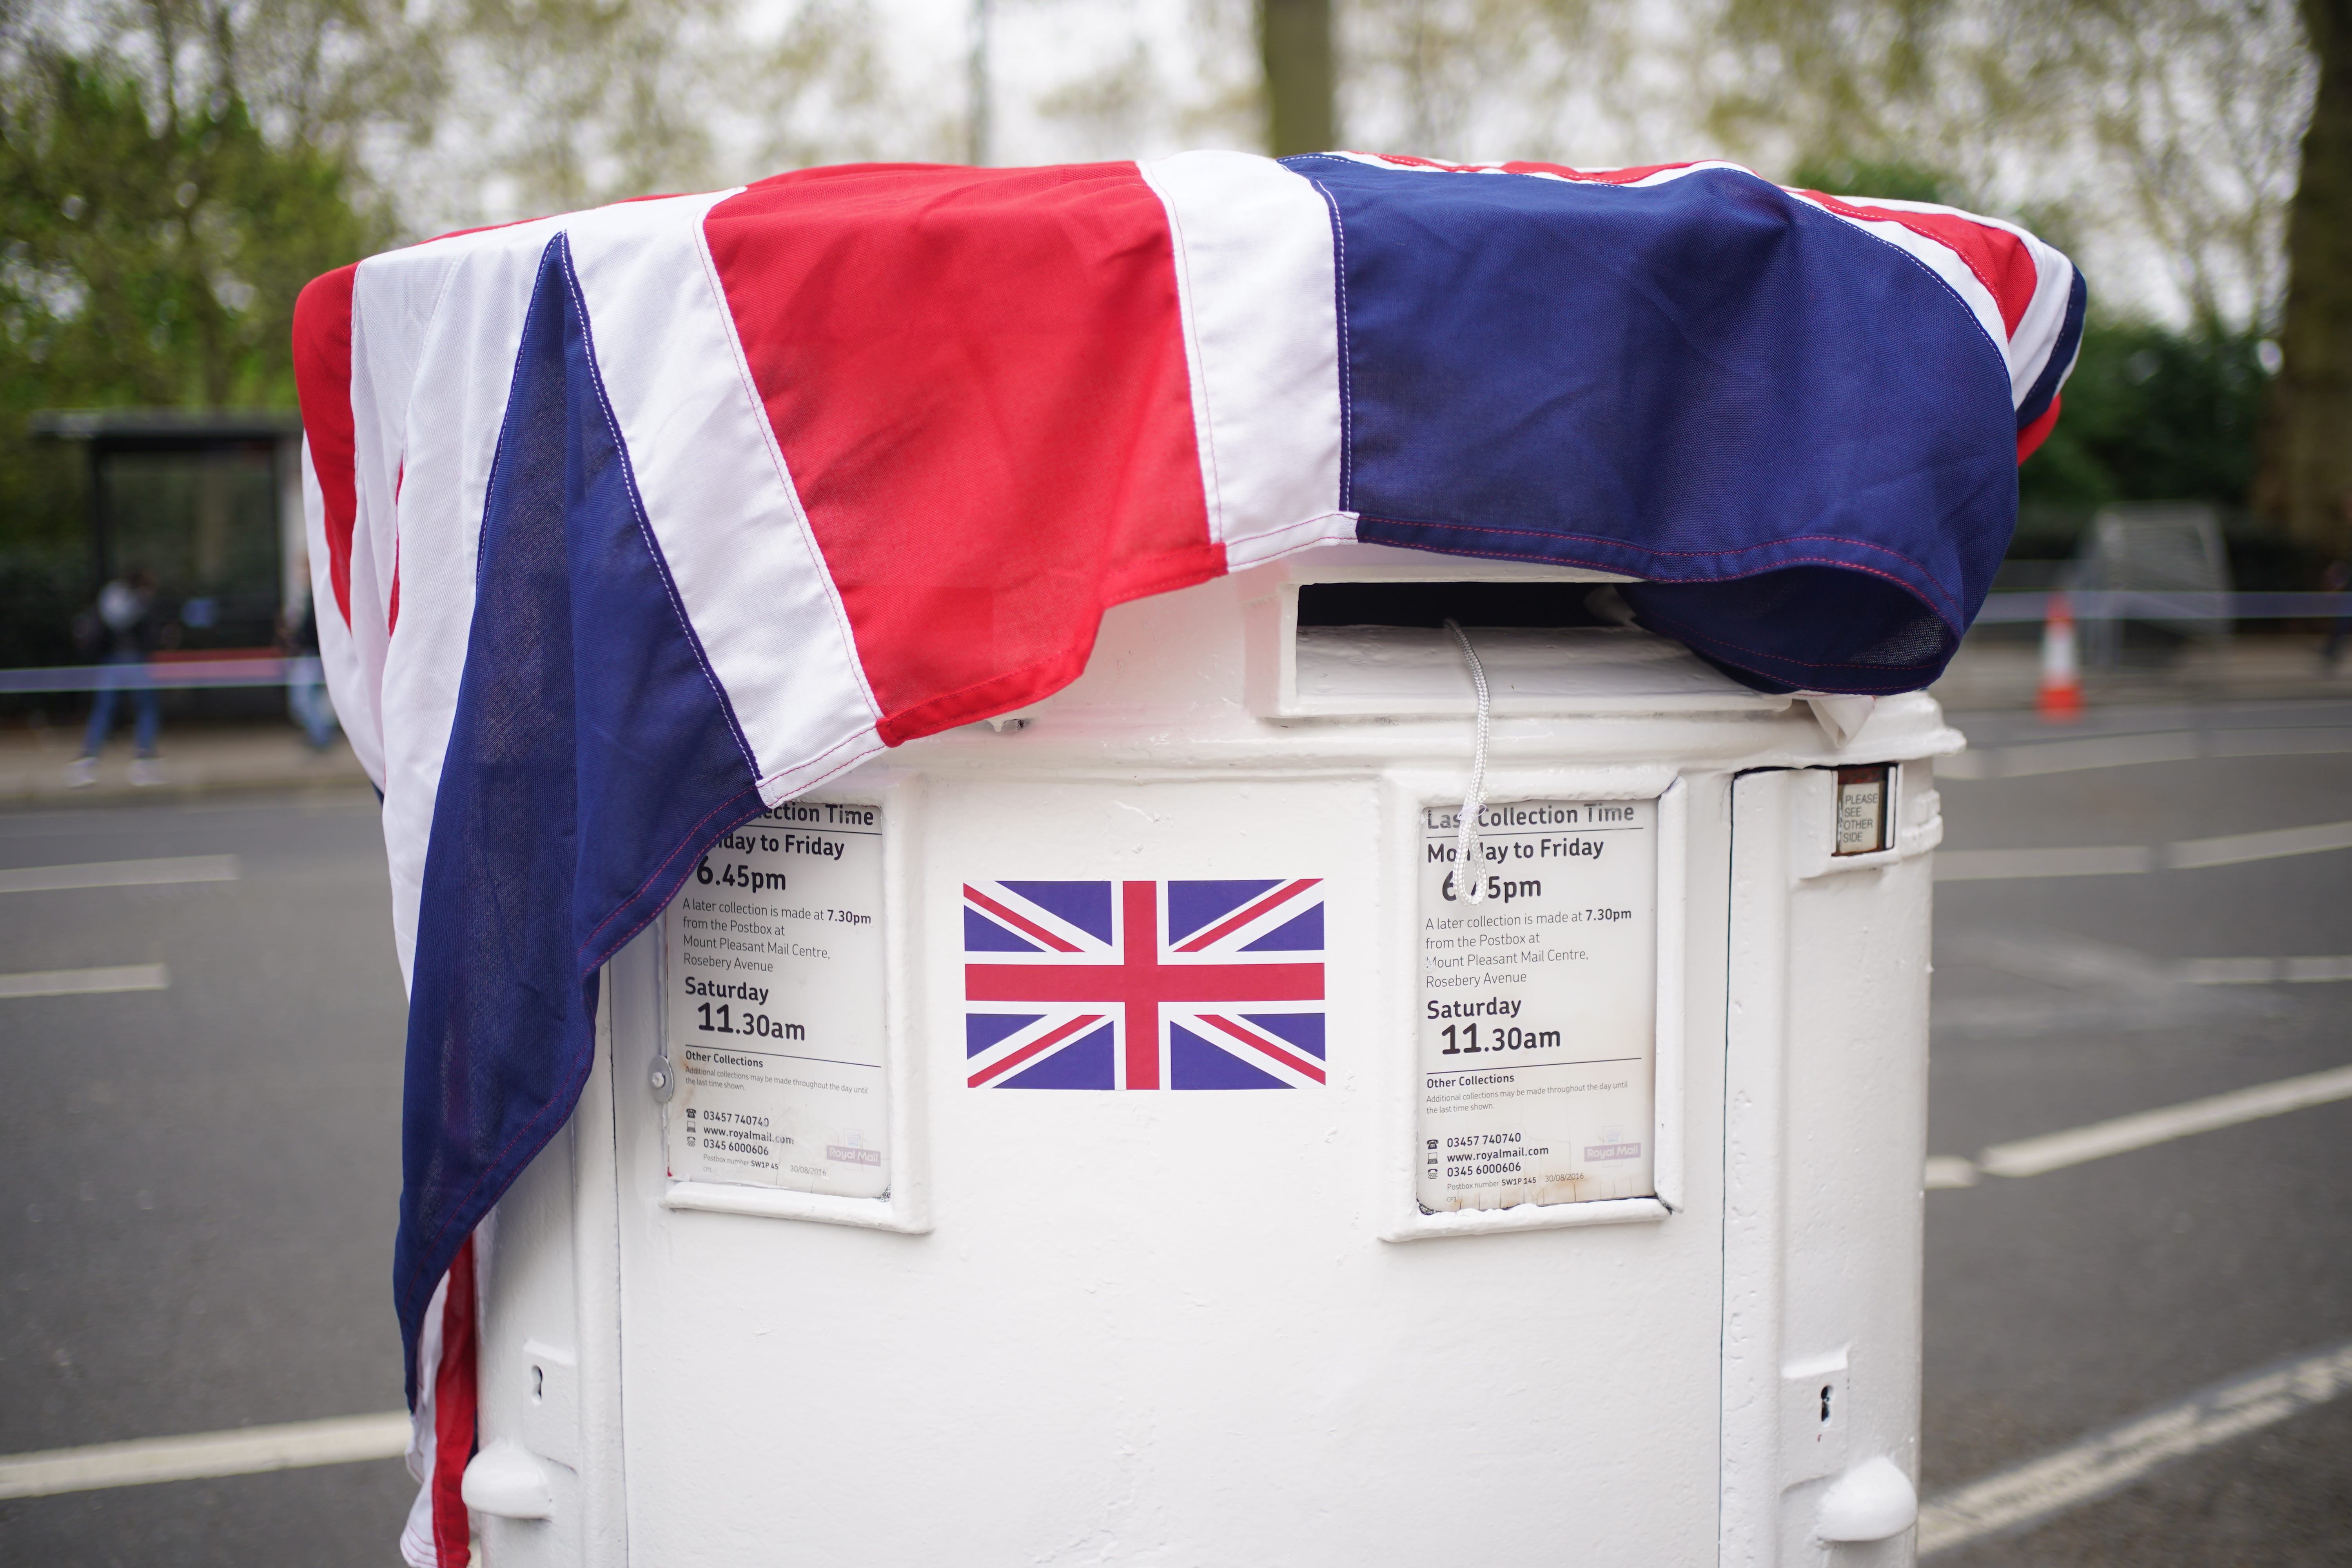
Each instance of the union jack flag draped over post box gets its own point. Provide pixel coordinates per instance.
(629, 522)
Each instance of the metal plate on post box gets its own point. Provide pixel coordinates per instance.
(1538, 1005)
(774, 1005)
(1862, 814)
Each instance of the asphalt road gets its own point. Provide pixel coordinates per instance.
(197, 1184)
(2063, 1302)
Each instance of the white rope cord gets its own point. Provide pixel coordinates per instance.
(1466, 846)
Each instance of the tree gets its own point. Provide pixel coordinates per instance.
(2152, 414)
(2307, 473)
(554, 105)
(2127, 127)
(1295, 42)
(155, 250)
(2214, 134)
(157, 230)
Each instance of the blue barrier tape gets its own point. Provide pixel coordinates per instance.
(177, 676)
(2142, 604)
(2123, 603)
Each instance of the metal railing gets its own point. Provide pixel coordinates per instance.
(2152, 605)
(182, 674)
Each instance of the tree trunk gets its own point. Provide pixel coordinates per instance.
(1295, 39)
(2306, 483)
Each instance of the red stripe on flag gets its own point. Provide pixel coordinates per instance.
(2001, 260)
(1594, 176)
(1235, 923)
(1170, 982)
(322, 382)
(1032, 1047)
(977, 378)
(2030, 439)
(1250, 1037)
(1560, 171)
(1143, 987)
(1018, 923)
(453, 1393)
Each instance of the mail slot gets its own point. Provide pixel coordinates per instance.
(1152, 1128)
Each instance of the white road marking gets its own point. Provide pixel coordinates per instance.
(121, 874)
(247, 1451)
(1947, 1170)
(2061, 958)
(1984, 865)
(2032, 1156)
(2276, 742)
(2107, 1461)
(86, 982)
(2036, 758)
(2239, 847)
(2072, 756)
(2101, 988)
(2122, 859)
(2261, 970)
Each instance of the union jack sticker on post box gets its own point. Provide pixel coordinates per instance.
(1160, 984)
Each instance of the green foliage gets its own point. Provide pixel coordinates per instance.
(1889, 181)
(152, 256)
(155, 253)
(2152, 414)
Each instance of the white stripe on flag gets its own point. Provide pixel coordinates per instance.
(1937, 257)
(1948, 265)
(718, 494)
(448, 317)
(2045, 317)
(356, 699)
(247, 1451)
(1254, 274)
(2039, 330)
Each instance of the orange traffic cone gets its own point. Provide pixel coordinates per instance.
(2062, 674)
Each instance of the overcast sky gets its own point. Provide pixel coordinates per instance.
(1083, 80)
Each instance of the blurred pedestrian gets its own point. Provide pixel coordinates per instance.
(127, 627)
(306, 678)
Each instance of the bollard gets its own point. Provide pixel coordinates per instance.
(2059, 700)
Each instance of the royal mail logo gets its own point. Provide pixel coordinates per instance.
(1165, 984)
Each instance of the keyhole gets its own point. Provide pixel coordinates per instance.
(1825, 1400)
(539, 1390)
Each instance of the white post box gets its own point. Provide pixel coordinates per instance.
(1116, 1135)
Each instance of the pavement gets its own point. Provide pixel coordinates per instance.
(2000, 669)
(197, 1181)
(197, 759)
